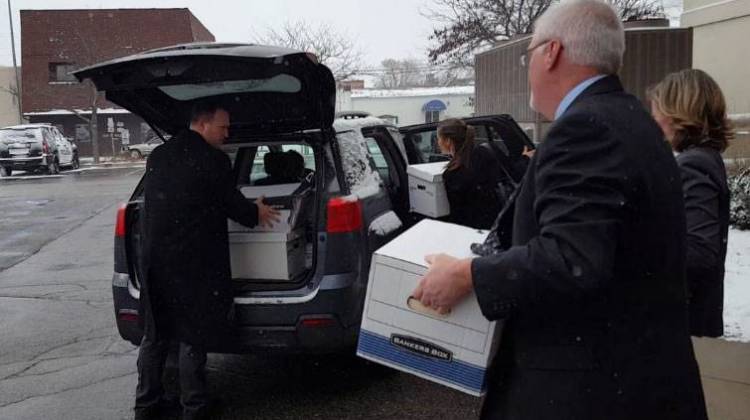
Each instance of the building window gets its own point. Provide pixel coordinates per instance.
(393, 119)
(82, 133)
(432, 116)
(61, 73)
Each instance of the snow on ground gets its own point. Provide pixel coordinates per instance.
(737, 287)
(358, 171)
(385, 224)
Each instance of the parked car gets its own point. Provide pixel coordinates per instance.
(353, 183)
(32, 147)
(498, 132)
(141, 150)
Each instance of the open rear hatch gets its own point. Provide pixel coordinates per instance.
(270, 93)
(265, 89)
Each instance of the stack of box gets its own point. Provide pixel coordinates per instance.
(453, 349)
(268, 253)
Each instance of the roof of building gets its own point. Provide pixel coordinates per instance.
(413, 92)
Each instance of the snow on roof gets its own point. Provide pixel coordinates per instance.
(400, 93)
(80, 111)
(343, 124)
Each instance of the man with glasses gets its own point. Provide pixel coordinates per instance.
(592, 289)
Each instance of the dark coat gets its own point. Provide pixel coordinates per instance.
(593, 288)
(189, 193)
(471, 190)
(704, 185)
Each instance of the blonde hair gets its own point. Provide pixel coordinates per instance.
(695, 104)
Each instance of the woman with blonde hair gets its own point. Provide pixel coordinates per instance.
(690, 109)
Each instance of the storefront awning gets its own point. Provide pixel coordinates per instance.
(434, 105)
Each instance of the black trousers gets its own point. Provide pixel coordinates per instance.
(152, 357)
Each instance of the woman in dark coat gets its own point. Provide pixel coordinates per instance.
(471, 176)
(689, 107)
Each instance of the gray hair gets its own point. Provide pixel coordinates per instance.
(590, 32)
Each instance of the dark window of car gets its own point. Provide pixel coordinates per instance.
(379, 160)
(282, 167)
(282, 83)
(61, 72)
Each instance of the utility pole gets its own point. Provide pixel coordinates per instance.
(15, 65)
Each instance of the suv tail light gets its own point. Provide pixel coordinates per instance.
(344, 215)
(120, 227)
(45, 147)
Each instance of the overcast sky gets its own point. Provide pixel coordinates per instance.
(382, 28)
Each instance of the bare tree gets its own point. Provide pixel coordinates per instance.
(337, 50)
(470, 25)
(408, 73)
(92, 119)
(401, 73)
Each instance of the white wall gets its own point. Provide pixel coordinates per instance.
(408, 109)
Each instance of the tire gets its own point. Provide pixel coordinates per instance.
(5, 171)
(136, 154)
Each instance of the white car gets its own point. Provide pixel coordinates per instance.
(141, 150)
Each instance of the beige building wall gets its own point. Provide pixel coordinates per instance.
(721, 31)
(8, 102)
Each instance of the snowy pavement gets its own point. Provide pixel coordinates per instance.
(737, 287)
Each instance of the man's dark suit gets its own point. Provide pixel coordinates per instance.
(187, 295)
(593, 288)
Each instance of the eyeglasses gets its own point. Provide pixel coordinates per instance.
(528, 52)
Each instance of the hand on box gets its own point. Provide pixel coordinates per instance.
(445, 284)
(267, 215)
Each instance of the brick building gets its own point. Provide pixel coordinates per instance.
(56, 42)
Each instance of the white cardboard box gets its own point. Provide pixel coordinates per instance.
(266, 255)
(252, 192)
(426, 190)
(454, 349)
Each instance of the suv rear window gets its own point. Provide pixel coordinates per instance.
(281, 164)
(9, 136)
(282, 83)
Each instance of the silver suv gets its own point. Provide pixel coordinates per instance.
(32, 147)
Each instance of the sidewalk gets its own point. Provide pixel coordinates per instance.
(107, 162)
(725, 372)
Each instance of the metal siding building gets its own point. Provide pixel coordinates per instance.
(502, 84)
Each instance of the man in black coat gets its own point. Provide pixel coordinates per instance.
(593, 290)
(187, 298)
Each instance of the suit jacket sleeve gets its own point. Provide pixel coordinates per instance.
(236, 205)
(701, 195)
(579, 203)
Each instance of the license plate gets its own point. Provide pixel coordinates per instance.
(19, 152)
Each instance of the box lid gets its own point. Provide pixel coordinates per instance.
(432, 172)
(432, 237)
(278, 190)
(257, 237)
